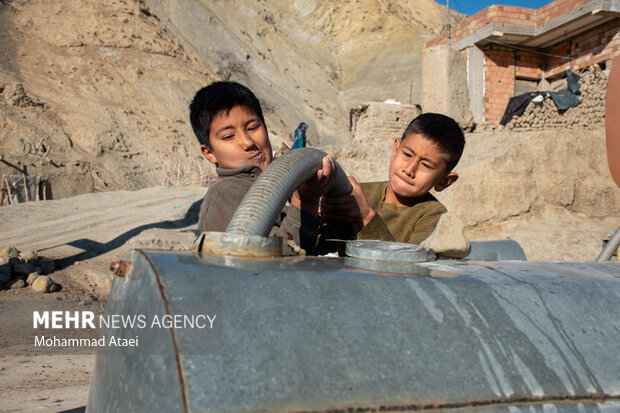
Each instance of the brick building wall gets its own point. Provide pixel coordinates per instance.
(499, 80)
(596, 46)
(492, 14)
(503, 64)
(557, 9)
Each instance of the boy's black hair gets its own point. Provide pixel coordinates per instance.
(215, 98)
(441, 129)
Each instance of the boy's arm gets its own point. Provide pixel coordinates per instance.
(427, 223)
(376, 229)
(220, 203)
(354, 212)
(308, 196)
(423, 218)
(297, 228)
(410, 225)
(352, 208)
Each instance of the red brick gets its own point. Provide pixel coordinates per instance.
(489, 110)
(494, 109)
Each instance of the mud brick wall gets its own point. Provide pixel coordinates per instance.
(590, 113)
(503, 65)
(376, 121)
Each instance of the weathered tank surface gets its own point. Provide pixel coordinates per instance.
(310, 334)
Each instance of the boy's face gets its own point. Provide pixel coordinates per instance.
(417, 165)
(238, 138)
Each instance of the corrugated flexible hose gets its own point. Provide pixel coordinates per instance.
(265, 199)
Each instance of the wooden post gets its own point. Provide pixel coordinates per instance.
(26, 185)
(8, 189)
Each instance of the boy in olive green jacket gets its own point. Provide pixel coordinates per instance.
(402, 209)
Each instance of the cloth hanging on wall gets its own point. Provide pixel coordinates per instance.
(517, 105)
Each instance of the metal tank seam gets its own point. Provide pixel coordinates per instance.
(177, 355)
(440, 406)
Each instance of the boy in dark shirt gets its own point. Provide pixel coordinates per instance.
(227, 120)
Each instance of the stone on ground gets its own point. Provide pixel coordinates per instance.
(448, 240)
(29, 255)
(42, 284)
(4, 278)
(5, 269)
(7, 252)
(32, 277)
(18, 283)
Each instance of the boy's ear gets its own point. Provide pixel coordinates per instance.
(447, 180)
(396, 145)
(208, 153)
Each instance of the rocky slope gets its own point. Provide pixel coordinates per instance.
(104, 85)
(312, 60)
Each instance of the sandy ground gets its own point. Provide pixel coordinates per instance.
(46, 383)
(83, 234)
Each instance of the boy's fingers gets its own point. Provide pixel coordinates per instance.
(321, 172)
(328, 165)
(340, 218)
(326, 176)
(332, 163)
(353, 182)
(336, 207)
(340, 200)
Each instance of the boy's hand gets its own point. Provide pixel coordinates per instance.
(349, 208)
(308, 195)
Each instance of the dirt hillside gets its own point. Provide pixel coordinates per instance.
(104, 85)
(312, 60)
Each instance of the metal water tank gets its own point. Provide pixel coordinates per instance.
(309, 334)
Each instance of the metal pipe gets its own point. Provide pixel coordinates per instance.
(265, 199)
(448, 20)
(610, 247)
(500, 250)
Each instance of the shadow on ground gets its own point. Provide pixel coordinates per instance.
(94, 249)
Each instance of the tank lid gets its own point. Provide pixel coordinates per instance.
(388, 251)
